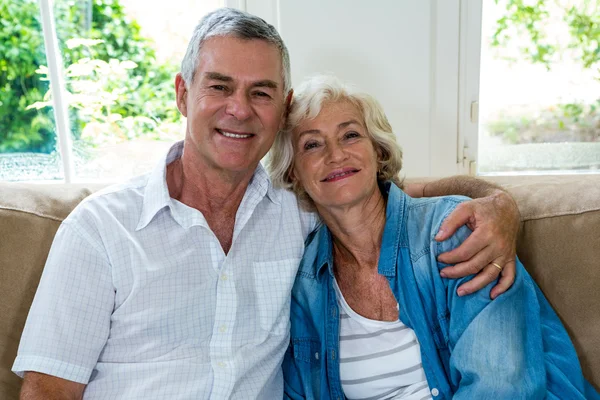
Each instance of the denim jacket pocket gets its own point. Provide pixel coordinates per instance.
(307, 350)
(308, 360)
(273, 281)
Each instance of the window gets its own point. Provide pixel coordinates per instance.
(28, 146)
(540, 87)
(119, 59)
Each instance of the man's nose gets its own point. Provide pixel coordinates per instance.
(238, 106)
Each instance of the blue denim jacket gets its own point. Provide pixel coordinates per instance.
(514, 347)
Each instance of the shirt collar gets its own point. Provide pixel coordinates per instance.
(391, 235)
(156, 193)
(264, 185)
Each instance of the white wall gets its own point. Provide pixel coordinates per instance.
(404, 52)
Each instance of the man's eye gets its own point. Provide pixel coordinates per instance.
(219, 87)
(310, 145)
(261, 94)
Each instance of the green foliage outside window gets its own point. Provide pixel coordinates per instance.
(104, 56)
(522, 25)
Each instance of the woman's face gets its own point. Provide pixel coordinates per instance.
(334, 158)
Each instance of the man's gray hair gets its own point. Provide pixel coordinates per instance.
(239, 24)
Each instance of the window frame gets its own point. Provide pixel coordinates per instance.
(58, 88)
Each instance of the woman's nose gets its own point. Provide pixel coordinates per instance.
(335, 153)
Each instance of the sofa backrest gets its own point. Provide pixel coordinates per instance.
(559, 243)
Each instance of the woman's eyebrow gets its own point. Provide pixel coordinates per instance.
(347, 123)
(308, 132)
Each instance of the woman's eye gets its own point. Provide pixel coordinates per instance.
(310, 145)
(351, 135)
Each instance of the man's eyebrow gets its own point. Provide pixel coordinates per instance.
(216, 76)
(266, 83)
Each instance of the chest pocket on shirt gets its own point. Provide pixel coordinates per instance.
(273, 282)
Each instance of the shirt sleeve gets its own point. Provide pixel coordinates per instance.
(69, 320)
(511, 347)
(309, 221)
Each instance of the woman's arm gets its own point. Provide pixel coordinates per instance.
(494, 218)
(511, 347)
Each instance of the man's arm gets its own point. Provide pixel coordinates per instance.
(38, 386)
(494, 218)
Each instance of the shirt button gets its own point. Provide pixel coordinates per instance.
(317, 355)
(224, 277)
(434, 392)
(221, 364)
(222, 329)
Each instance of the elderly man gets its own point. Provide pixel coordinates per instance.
(176, 284)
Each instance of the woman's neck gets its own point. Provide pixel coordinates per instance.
(357, 231)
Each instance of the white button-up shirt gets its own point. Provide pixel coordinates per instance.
(139, 301)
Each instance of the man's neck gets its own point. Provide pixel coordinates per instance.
(217, 194)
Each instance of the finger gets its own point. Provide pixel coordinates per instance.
(474, 244)
(457, 218)
(472, 266)
(481, 280)
(506, 281)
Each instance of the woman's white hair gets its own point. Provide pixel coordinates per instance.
(308, 101)
(239, 24)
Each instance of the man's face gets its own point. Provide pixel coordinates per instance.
(235, 105)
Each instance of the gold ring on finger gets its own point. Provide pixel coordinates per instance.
(497, 266)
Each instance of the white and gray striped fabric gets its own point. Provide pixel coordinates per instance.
(379, 359)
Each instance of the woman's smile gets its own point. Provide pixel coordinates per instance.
(340, 174)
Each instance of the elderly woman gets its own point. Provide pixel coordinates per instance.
(371, 317)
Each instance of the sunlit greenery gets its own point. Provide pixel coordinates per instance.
(116, 88)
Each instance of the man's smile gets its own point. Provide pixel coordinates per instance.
(235, 135)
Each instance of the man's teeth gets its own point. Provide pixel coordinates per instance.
(234, 135)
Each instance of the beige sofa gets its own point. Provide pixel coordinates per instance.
(559, 243)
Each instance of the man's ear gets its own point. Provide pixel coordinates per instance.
(286, 109)
(288, 99)
(181, 94)
(288, 102)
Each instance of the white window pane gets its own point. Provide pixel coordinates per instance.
(120, 59)
(539, 99)
(28, 149)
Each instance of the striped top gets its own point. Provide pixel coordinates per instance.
(379, 359)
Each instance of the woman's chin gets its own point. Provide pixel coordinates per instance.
(341, 199)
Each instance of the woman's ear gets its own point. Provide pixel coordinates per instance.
(291, 175)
